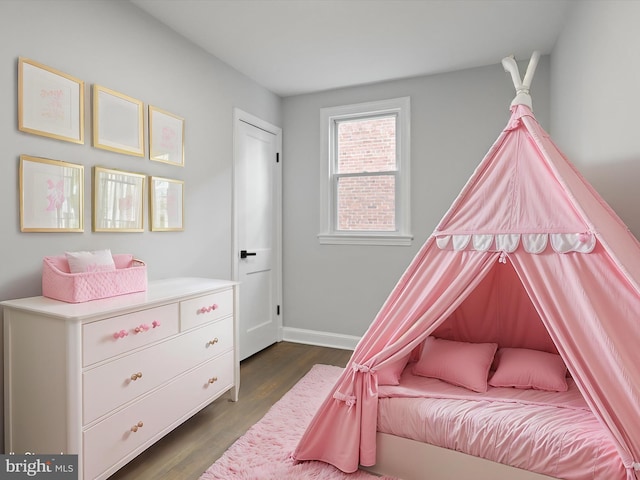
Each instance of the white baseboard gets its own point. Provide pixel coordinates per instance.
(321, 339)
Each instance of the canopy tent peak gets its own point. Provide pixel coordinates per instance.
(522, 85)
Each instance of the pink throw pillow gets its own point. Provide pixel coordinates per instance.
(390, 375)
(459, 363)
(525, 368)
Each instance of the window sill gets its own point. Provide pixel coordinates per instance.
(365, 239)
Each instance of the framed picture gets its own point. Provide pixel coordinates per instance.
(166, 137)
(118, 122)
(118, 199)
(166, 204)
(51, 195)
(50, 103)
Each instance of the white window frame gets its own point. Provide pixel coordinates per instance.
(329, 234)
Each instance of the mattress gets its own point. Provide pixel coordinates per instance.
(552, 433)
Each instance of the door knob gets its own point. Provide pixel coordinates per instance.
(245, 254)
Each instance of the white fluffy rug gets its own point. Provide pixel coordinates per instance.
(263, 453)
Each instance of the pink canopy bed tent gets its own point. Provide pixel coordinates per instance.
(530, 256)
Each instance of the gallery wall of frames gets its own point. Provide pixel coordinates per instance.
(52, 191)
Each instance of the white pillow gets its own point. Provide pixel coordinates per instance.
(97, 261)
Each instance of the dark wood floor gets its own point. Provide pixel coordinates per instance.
(189, 450)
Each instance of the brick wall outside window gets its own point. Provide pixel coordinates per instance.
(367, 202)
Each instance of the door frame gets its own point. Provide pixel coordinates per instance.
(245, 117)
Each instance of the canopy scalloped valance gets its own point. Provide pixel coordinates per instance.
(531, 242)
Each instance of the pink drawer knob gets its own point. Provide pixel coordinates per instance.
(155, 323)
(136, 376)
(120, 334)
(208, 309)
(137, 426)
(142, 328)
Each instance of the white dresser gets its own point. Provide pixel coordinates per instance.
(108, 378)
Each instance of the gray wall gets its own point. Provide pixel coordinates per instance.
(114, 44)
(455, 118)
(595, 73)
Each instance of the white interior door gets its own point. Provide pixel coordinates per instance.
(257, 233)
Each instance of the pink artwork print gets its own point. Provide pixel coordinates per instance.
(125, 203)
(53, 104)
(55, 194)
(172, 204)
(168, 139)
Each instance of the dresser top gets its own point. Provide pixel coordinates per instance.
(158, 292)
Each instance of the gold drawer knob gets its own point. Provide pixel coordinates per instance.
(213, 342)
(213, 379)
(137, 426)
(136, 376)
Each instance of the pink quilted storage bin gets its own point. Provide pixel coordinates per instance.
(129, 276)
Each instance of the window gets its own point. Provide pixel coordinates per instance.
(365, 173)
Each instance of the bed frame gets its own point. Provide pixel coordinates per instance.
(412, 460)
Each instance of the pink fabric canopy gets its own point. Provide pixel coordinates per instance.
(528, 222)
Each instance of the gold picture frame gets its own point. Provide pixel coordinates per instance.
(166, 137)
(118, 200)
(118, 122)
(51, 195)
(166, 204)
(50, 102)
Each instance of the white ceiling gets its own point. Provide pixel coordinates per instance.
(301, 46)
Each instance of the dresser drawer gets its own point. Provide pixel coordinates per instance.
(113, 336)
(113, 441)
(204, 309)
(115, 383)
